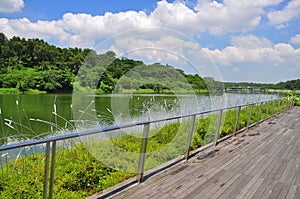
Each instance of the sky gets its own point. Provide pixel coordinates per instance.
(230, 40)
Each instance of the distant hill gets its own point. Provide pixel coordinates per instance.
(288, 85)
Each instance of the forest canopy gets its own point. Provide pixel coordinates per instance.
(34, 64)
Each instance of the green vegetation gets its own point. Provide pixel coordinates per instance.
(295, 96)
(79, 174)
(288, 85)
(34, 64)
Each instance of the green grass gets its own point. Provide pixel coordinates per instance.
(16, 91)
(79, 173)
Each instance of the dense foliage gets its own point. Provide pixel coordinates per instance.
(34, 64)
(288, 85)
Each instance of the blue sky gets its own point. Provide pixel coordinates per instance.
(254, 41)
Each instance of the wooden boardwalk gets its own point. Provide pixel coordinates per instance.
(263, 162)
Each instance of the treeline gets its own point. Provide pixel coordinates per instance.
(288, 85)
(34, 64)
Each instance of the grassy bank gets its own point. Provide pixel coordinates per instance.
(79, 173)
(16, 91)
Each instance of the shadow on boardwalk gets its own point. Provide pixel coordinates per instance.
(263, 162)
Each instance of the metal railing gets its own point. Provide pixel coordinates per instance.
(51, 143)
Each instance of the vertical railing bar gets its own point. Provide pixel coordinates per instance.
(249, 116)
(267, 111)
(259, 113)
(190, 136)
(273, 108)
(218, 127)
(53, 161)
(293, 102)
(237, 117)
(143, 153)
(46, 170)
(279, 106)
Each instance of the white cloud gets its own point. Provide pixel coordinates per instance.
(83, 30)
(251, 49)
(40, 29)
(250, 42)
(296, 39)
(231, 15)
(8, 6)
(236, 69)
(290, 11)
(153, 45)
(175, 15)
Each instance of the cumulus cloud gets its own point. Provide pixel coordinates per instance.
(290, 11)
(252, 49)
(83, 30)
(296, 39)
(231, 15)
(9, 6)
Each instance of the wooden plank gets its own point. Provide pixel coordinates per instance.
(253, 189)
(276, 190)
(234, 190)
(291, 192)
(218, 187)
(284, 191)
(265, 189)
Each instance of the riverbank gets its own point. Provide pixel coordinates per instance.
(282, 91)
(16, 91)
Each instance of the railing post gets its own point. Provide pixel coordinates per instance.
(249, 116)
(279, 106)
(143, 153)
(267, 112)
(259, 113)
(273, 108)
(237, 117)
(286, 104)
(293, 102)
(190, 136)
(46, 170)
(218, 127)
(53, 161)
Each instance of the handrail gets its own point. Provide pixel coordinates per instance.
(286, 103)
(112, 128)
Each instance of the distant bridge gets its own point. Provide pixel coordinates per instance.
(248, 88)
